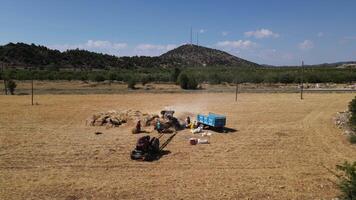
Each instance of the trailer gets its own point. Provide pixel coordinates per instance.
(212, 120)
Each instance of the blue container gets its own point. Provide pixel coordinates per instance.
(212, 119)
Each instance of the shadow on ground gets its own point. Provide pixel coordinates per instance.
(223, 130)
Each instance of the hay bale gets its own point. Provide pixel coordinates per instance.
(98, 123)
(115, 121)
(150, 120)
(134, 131)
(116, 118)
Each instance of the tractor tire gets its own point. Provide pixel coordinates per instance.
(137, 155)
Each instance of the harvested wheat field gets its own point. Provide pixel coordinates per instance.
(282, 149)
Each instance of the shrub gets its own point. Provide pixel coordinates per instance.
(112, 76)
(214, 78)
(352, 109)
(11, 85)
(145, 80)
(347, 181)
(353, 139)
(187, 82)
(83, 77)
(131, 83)
(98, 78)
(286, 78)
(175, 74)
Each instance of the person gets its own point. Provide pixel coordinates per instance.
(192, 125)
(138, 126)
(187, 122)
(158, 126)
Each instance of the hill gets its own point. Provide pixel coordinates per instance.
(23, 55)
(193, 55)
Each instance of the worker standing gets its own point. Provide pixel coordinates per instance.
(187, 122)
(138, 126)
(158, 126)
(192, 125)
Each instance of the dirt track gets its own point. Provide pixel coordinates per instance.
(281, 149)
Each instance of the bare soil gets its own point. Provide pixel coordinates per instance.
(283, 148)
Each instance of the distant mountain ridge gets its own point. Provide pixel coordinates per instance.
(24, 55)
(21, 54)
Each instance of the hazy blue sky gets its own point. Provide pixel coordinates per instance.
(269, 32)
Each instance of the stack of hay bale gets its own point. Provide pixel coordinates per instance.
(116, 118)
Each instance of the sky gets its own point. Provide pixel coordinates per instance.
(275, 32)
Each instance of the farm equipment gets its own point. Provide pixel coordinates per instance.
(212, 120)
(149, 149)
(169, 120)
(166, 114)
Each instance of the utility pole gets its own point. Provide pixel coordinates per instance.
(302, 80)
(31, 86)
(236, 91)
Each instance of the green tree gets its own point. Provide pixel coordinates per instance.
(214, 78)
(11, 86)
(187, 82)
(352, 109)
(175, 74)
(83, 77)
(112, 77)
(99, 78)
(131, 83)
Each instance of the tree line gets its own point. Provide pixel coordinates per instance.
(212, 75)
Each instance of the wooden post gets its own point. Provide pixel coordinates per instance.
(237, 88)
(31, 86)
(302, 80)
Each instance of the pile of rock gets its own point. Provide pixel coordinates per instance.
(116, 118)
(342, 121)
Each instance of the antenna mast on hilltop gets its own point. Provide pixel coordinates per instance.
(191, 36)
(197, 38)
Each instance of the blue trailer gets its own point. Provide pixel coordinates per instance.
(212, 120)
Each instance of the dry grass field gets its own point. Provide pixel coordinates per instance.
(282, 149)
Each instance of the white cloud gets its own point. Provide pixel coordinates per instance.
(350, 38)
(347, 40)
(273, 55)
(118, 49)
(238, 44)
(262, 33)
(224, 33)
(320, 34)
(202, 31)
(101, 46)
(153, 49)
(306, 44)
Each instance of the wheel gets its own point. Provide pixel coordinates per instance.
(137, 155)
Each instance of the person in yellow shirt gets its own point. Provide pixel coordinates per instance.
(192, 125)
